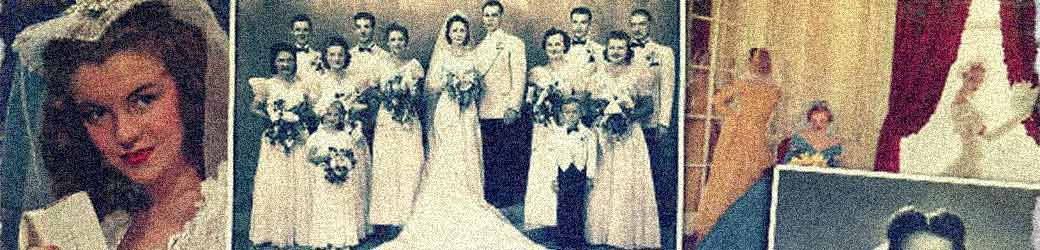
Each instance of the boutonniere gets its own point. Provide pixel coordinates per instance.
(652, 58)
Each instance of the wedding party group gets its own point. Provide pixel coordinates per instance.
(363, 142)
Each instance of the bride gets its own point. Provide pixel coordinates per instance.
(977, 124)
(450, 211)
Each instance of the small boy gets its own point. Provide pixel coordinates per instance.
(575, 151)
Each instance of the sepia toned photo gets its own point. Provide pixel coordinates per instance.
(830, 209)
(116, 127)
(456, 125)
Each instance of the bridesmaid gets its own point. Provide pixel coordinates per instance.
(622, 206)
(742, 152)
(539, 199)
(397, 145)
(281, 200)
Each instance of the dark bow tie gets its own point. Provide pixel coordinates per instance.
(579, 42)
(366, 50)
(572, 129)
(638, 44)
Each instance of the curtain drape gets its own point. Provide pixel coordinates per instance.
(928, 35)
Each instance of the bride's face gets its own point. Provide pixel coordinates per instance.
(336, 56)
(458, 32)
(973, 78)
(129, 106)
(554, 47)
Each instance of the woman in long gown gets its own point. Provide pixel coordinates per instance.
(540, 199)
(980, 136)
(281, 189)
(450, 211)
(338, 218)
(338, 210)
(397, 146)
(134, 117)
(745, 224)
(622, 207)
(741, 153)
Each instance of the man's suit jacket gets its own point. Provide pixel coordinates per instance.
(504, 58)
(661, 61)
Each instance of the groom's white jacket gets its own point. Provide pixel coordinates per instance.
(504, 58)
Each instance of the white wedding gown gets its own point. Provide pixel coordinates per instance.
(450, 211)
(938, 148)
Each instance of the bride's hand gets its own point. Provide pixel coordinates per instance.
(982, 130)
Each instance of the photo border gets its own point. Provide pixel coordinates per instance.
(774, 201)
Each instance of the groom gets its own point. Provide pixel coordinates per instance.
(506, 149)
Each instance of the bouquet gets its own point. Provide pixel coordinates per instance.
(362, 110)
(643, 109)
(544, 104)
(337, 163)
(399, 99)
(465, 86)
(591, 108)
(288, 124)
(810, 160)
(616, 120)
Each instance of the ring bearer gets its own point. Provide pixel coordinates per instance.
(575, 152)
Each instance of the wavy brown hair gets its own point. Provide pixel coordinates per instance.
(74, 162)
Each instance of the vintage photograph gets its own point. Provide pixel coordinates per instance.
(934, 88)
(818, 208)
(456, 125)
(116, 131)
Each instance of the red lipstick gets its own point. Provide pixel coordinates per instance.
(138, 157)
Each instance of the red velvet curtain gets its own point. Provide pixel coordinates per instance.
(928, 34)
(1017, 19)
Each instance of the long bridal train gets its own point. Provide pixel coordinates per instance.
(982, 137)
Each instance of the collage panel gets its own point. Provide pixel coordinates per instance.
(832, 209)
(444, 125)
(115, 133)
(850, 84)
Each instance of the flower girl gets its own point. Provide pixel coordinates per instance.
(336, 152)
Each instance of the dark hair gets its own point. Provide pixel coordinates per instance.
(495, 3)
(908, 221)
(300, 18)
(554, 31)
(365, 15)
(621, 35)
(643, 12)
(334, 41)
(281, 47)
(582, 11)
(399, 28)
(819, 106)
(447, 28)
(69, 154)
